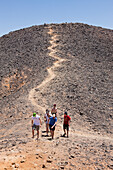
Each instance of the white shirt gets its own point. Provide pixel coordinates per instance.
(47, 118)
(36, 120)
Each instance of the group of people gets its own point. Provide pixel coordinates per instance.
(50, 119)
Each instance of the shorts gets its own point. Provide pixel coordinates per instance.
(35, 127)
(66, 127)
(51, 128)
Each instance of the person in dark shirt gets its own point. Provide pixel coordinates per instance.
(66, 124)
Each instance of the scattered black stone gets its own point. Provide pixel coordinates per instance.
(43, 166)
(49, 161)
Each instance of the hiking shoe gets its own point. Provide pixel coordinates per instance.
(64, 135)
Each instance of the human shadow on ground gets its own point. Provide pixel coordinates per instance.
(43, 131)
(45, 135)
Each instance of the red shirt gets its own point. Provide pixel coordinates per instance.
(66, 119)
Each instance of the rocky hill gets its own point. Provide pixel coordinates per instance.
(67, 64)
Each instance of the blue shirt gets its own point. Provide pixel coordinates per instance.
(52, 121)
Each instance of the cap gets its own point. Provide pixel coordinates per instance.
(34, 114)
(54, 105)
(53, 115)
(65, 113)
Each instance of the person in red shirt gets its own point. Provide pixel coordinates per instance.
(66, 124)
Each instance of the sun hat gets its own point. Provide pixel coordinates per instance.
(34, 114)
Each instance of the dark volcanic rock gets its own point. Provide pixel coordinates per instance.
(23, 61)
(83, 84)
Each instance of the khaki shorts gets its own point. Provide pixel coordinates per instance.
(35, 127)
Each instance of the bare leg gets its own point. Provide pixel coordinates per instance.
(47, 128)
(52, 134)
(64, 132)
(32, 133)
(37, 134)
(67, 133)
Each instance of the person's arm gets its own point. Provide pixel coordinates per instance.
(56, 113)
(49, 114)
(56, 110)
(48, 120)
(54, 124)
(45, 118)
(69, 121)
(40, 122)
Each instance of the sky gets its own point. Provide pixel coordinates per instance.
(17, 14)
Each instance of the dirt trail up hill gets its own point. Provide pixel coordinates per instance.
(51, 73)
(85, 149)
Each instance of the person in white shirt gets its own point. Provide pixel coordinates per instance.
(46, 119)
(36, 124)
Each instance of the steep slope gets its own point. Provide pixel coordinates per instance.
(76, 74)
(84, 83)
(23, 61)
